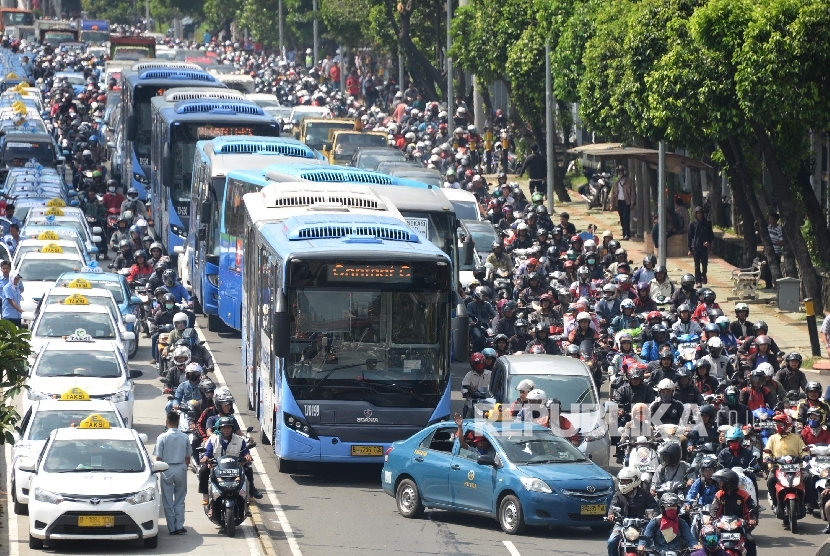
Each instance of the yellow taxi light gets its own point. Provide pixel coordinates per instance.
(75, 395)
(55, 203)
(54, 211)
(51, 248)
(76, 299)
(79, 284)
(48, 236)
(94, 421)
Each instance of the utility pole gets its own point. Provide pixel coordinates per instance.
(400, 70)
(661, 204)
(549, 127)
(450, 110)
(316, 40)
(282, 43)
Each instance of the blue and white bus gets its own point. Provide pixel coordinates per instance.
(347, 316)
(176, 128)
(139, 84)
(199, 267)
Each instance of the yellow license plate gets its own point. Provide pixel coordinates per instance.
(367, 450)
(96, 521)
(592, 509)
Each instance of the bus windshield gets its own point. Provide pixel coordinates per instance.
(144, 121)
(16, 19)
(386, 347)
(95, 36)
(439, 228)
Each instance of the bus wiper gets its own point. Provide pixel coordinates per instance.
(395, 387)
(366, 363)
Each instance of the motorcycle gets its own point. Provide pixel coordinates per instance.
(473, 398)
(643, 457)
(599, 190)
(732, 532)
(589, 358)
(163, 343)
(788, 501)
(686, 351)
(631, 528)
(819, 468)
(227, 492)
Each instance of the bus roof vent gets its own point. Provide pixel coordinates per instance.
(282, 198)
(176, 95)
(196, 107)
(144, 66)
(252, 147)
(346, 176)
(193, 75)
(303, 229)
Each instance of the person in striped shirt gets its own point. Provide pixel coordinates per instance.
(776, 235)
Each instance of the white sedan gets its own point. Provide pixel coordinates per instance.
(40, 270)
(93, 482)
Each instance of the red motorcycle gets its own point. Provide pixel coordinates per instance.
(788, 503)
(732, 531)
(112, 222)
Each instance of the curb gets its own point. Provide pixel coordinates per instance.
(263, 535)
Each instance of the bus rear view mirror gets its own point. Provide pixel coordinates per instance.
(467, 251)
(282, 324)
(166, 171)
(131, 131)
(207, 212)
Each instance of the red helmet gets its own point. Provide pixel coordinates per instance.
(469, 174)
(477, 361)
(783, 423)
(574, 239)
(568, 264)
(536, 350)
(533, 260)
(655, 315)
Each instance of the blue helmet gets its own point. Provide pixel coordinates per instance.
(735, 433)
(489, 352)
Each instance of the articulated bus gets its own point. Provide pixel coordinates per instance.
(346, 327)
(139, 84)
(199, 267)
(175, 130)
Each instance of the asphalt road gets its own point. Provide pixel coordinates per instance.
(326, 509)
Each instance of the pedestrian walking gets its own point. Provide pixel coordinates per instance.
(700, 238)
(173, 448)
(626, 199)
(776, 235)
(537, 170)
(825, 333)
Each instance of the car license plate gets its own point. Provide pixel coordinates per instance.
(96, 521)
(367, 450)
(592, 509)
(730, 536)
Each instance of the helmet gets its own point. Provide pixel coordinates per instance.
(482, 293)
(497, 245)
(731, 395)
(178, 317)
(723, 322)
(526, 385)
(658, 332)
(160, 267)
(665, 353)
(711, 327)
(140, 253)
(684, 307)
(670, 499)
(520, 323)
(782, 420)
(670, 451)
(813, 386)
(583, 316)
(734, 433)
(625, 338)
(124, 244)
(510, 306)
(489, 352)
(583, 273)
(741, 307)
(794, 356)
(761, 325)
(132, 192)
(222, 396)
(627, 304)
(536, 350)
(708, 409)
(713, 314)
(660, 270)
(477, 361)
(181, 356)
(193, 368)
(643, 286)
(620, 252)
(762, 339)
(168, 298)
(207, 386)
(156, 245)
(636, 372)
(666, 384)
(541, 327)
(683, 372)
(499, 338)
(708, 294)
(225, 422)
(632, 478)
(536, 395)
(715, 346)
(169, 277)
(86, 152)
(687, 280)
(767, 369)
(572, 350)
(727, 479)
(703, 363)
(654, 315)
(609, 291)
(709, 538)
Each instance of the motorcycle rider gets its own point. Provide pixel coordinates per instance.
(813, 433)
(534, 290)
(735, 412)
(498, 259)
(112, 199)
(719, 362)
(122, 231)
(545, 314)
(735, 455)
(644, 303)
(685, 324)
(759, 328)
(522, 239)
(704, 382)
(782, 443)
(134, 204)
(227, 444)
(741, 327)
(665, 409)
(596, 271)
(96, 215)
(480, 310)
(707, 302)
(633, 500)
(646, 272)
(813, 401)
(710, 542)
(627, 320)
(757, 395)
(772, 384)
(685, 294)
(501, 343)
(663, 367)
(174, 286)
(189, 389)
(651, 348)
(164, 315)
(505, 323)
(672, 468)
(707, 423)
(661, 287)
(583, 330)
(543, 339)
(583, 287)
(476, 383)
(626, 353)
(763, 353)
(141, 269)
(125, 257)
(519, 341)
(733, 501)
(791, 376)
(686, 391)
(702, 492)
(667, 531)
(608, 307)
(208, 389)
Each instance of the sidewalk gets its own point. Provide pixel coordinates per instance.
(788, 329)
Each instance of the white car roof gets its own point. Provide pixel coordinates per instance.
(53, 256)
(57, 308)
(55, 405)
(116, 433)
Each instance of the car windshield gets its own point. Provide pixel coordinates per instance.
(72, 223)
(465, 210)
(98, 455)
(369, 161)
(529, 446)
(317, 133)
(58, 324)
(575, 392)
(483, 235)
(44, 422)
(96, 364)
(347, 143)
(46, 270)
(112, 286)
(73, 79)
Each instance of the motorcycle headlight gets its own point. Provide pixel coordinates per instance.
(36, 395)
(535, 485)
(825, 472)
(632, 534)
(142, 496)
(120, 396)
(48, 497)
(797, 479)
(598, 433)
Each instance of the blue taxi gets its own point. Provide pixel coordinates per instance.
(528, 476)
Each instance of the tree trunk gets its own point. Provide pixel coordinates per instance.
(791, 221)
(429, 76)
(739, 197)
(756, 224)
(488, 107)
(815, 215)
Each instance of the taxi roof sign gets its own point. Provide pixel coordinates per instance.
(80, 284)
(94, 421)
(54, 211)
(75, 395)
(55, 203)
(80, 335)
(76, 299)
(48, 235)
(51, 248)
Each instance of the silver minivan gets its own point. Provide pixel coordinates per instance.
(566, 379)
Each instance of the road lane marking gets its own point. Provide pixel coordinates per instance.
(266, 481)
(253, 542)
(511, 548)
(12, 521)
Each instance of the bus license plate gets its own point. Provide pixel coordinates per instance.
(96, 520)
(592, 509)
(367, 450)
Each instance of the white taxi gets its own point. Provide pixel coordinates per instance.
(86, 324)
(66, 245)
(40, 420)
(99, 369)
(93, 482)
(91, 235)
(40, 270)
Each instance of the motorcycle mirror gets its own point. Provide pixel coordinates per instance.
(249, 429)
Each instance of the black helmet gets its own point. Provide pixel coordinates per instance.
(683, 372)
(160, 267)
(479, 273)
(731, 395)
(160, 291)
(613, 245)
(497, 245)
(169, 276)
(207, 386)
(687, 280)
(636, 372)
(124, 243)
(713, 314)
(658, 332)
(541, 209)
(140, 253)
(670, 499)
(532, 276)
(703, 363)
(812, 386)
(572, 350)
(794, 356)
(510, 306)
(727, 479)
(659, 269)
(708, 294)
(521, 323)
(500, 337)
(708, 409)
(671, 451)
(168, 298)
(761, 325)
(542, 327)
(541, 231)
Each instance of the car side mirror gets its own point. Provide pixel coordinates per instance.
(129, 319)
(160, 466)
(487, 460)
(281, 326)
(135, 300)
(27, 316)
(26, 464)
(129, 336)
(142, 437)
(97, 231)
(178, 250)
(207, 212)
(135, 373)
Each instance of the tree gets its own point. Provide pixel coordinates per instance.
(115, 11)
(347, 22)
(14, 351)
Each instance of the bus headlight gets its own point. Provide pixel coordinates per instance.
(299, 425)
(140, 179)
(178, 231)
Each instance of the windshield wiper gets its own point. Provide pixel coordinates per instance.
(394, 387)
(328, 374)
(538, 461)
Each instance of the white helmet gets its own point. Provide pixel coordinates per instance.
(526, 385)
(86, 152)
(767, 368)
(180, 317)
(583, 316)
(536, 395)
(589, 245)
(715, 343)
(181, 355)
(665, 384)
(628, 474)
(193, 367)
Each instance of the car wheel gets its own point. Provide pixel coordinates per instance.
(19, 509)
(133, 346)
(511, 516)
(408, 499)
(35, 544)
(151, 542)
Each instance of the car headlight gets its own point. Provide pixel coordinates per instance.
(536, 485)
(632, 534)
(48, 497)
(120, 396)
(142, 496)
(140, 179)
(598, 433)
(36, 395)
